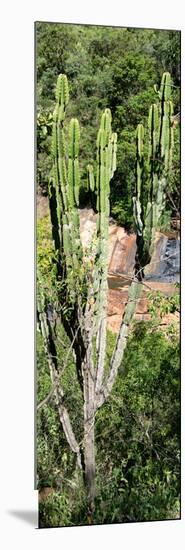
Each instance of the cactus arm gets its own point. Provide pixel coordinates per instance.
(106, 164)
(73, 165)
(58, 143)
(137, 205)
(91, 181)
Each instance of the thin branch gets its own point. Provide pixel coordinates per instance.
(47, 399)
(139, 282)
(172, 201)
(131, 279)
(172, 86)
(69, 350)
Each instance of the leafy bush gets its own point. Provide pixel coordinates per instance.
(138, 434)
(137, 439)
(160, 305)
(55, 511)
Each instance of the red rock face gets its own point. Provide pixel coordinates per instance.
(122, 249)
(121, 246)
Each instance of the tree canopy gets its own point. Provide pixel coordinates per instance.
(106, 67)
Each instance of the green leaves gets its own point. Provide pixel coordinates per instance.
(56, 511)
(136, 433)
(106, 67)
(46, 254)
(160, 305)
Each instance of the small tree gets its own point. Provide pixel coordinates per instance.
(82, 285)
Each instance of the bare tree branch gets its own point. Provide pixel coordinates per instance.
(121, 342)
(47, 399)
(172, 201)
(54, 373)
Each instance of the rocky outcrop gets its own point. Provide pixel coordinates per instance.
(122, 246)
(165, 262)
(160, 274)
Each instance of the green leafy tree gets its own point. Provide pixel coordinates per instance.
(115, 67)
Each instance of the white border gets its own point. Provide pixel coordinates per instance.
(17, 294)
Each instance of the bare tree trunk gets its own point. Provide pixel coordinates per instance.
(89, 456)
(89, 412)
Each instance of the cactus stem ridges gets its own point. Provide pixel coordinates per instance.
(160, 149)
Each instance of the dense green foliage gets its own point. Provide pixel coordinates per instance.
(137, 439)
(106, 67)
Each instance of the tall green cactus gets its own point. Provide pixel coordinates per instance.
(106, 166)
(64, 190)
(84, 290)
(160, 150)
(137, 201)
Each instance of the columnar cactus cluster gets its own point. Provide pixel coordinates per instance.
(64, 189)
(146, 216)
(160, 150)
(84, 290)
